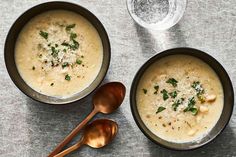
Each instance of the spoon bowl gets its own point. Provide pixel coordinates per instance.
(109, 97)
(100, 132)
(97, 134)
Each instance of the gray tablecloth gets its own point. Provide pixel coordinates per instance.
(31, 129)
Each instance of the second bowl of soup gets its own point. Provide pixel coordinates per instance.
(179, 100)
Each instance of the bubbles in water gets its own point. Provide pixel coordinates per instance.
(150, 11)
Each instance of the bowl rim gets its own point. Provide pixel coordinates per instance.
(135, 83)
(102, 29)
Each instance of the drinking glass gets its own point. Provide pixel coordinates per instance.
(156, 14)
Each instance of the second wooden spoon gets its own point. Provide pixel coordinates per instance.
(96, 135)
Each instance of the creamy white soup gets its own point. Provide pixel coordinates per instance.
(180, 98)
(58, 53)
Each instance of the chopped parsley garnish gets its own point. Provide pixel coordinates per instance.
(194, 111)
(200, 91)
(69, 27)
(75, 45)
(144, 91)
(156, 87)
(65, 44)
(191, 107)
(44, 34)
(160, 109)
(176, 104)
(54, 52)
(54, 48)
(173, 94)
(73, 36)
(78, 61)
(65, 64)
(198, 87)
(172, 81)
(165, 94)
(67, 77)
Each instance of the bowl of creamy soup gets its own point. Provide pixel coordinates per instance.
(182, 98)
(57, 52)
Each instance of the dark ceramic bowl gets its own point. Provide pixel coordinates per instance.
(20, 23)
(228, 99)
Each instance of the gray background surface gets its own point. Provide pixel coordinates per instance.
(28, 128)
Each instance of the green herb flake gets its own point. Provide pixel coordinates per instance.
(200, 91)
(165, 94)
(78, 61)
(67, 77)
(176, 104)
(194, 111)
(144, 91)
(156, 87)
(172, 81)
(198, 87)
(173, 94)
(191, 107)
(69, 27)
(44, 34)
(75, 45)
(73, 36)
(64, 50)
(65, 44)
(160, 109)
(33, 68)
(56, 45)
(65, 64)
(54, 52)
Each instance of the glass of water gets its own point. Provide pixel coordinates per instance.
(156, 14)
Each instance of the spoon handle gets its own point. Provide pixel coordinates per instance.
(72, 134)
(70, 149)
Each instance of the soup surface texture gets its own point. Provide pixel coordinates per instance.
(180, 98)
(58, 53)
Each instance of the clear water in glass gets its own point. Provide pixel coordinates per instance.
(156, 14)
